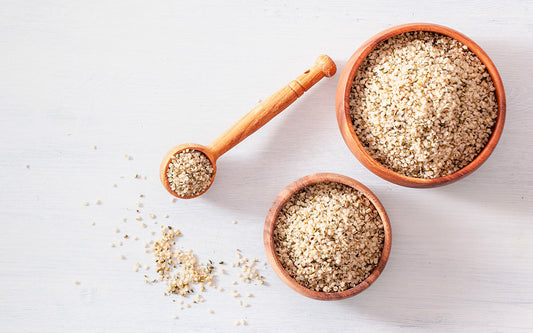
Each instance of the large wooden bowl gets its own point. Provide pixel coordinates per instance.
(270, 224)
(345, 122)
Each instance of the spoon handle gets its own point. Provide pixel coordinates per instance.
(272, 106)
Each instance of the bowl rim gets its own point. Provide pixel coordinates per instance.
(351, 139)
(270, 222)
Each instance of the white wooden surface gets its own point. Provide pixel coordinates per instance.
(137, 78)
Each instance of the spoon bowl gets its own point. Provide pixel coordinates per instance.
(176, 150)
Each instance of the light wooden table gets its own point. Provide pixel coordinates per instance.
(138, 78)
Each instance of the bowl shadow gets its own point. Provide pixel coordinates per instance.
(442, 268)
(438, 271)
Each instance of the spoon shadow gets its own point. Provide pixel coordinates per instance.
(248, 183)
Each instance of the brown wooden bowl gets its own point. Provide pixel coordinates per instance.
(345, 123)
(270, 223)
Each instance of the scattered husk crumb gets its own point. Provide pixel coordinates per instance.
(249, 272)
(178, 269)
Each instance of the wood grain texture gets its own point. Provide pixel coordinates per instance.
(270, 224)
(136, 77)
(346, 126)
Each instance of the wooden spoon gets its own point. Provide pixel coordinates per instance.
(253, 120)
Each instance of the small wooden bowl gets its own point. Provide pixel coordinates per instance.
(270, 223)
(345, 123)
